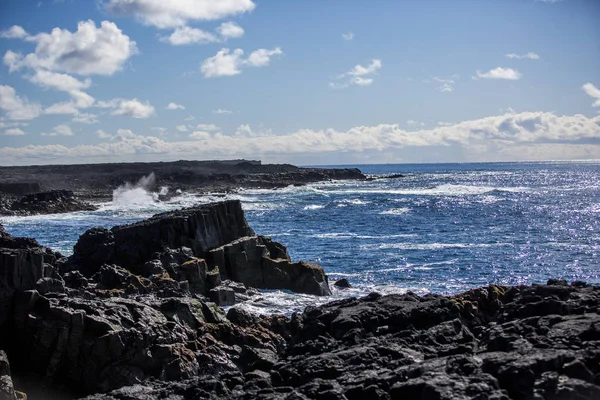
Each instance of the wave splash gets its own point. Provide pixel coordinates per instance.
(137, 194)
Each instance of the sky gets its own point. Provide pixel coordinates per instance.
(299, 81)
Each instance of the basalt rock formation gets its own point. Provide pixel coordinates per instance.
(146, 331)
(52, 202)
(212, 240)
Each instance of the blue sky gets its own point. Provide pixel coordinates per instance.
(306, 82)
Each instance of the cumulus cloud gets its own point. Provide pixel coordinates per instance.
(59, 130)
(90, 50)
(175, 106)
(63, 108)
(86, 118)
(529, 56)
(181, 128)
(186, 35)
(348, 36)
(593, 92)
(208, 127)
(230, 30)
(14, 132)
(173, 14)
(500, 73)
(356, 76)
(134, 109)
(226, 63)
(14, 32)
(17, 108)
(222, 111)
(65, 83)
(498, 134)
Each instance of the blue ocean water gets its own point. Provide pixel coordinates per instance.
(442, 228)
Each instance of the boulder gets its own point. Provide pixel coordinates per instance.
(198, 228)
(7, 390)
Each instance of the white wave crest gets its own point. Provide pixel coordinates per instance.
(135, 194)
(395, 211)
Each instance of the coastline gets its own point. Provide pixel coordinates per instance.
(138, 329)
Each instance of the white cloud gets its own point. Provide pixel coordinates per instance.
(262, 57)
(15, 107)
(86, 118)
(230, 30)
(66, 83)
(208, 127)
(348, 36)
(447, 84)
(441, 123)
(62, 130)
(500, 73)
(360, 81)
(175, 106)
(181, 128)
(62, 108)
(497, 135)
(186, 35)
(413, 122)
(190, 118)
(14, 32)
(14, 132)
(200, 135)
(356, 75)
(223, 63)
(88, 51)
(134, 109)
(226, 63)
(103, 135)
(172, 14)
(359, 70)
(529, 56)
(222, 111)
(593, 92)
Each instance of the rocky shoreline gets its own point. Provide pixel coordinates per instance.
(134, 314)
(45, 189)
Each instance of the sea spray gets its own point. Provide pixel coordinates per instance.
(136, 194)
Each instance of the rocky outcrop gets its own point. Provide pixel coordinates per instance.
(99, 180)
(53, 202)
(218, 241)
(119, 334)
(20, 188)
(7, 390)
(526, 342)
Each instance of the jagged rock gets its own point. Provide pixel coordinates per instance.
(201, 245)
(50, 285)
(343, 284)
(7, 390)
(55, 201)
(3, 233)
(199, 229)
(247, 260)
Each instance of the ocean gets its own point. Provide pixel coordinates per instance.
(442, 228)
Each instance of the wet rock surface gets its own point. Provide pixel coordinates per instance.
(52, 202)
(148, 326)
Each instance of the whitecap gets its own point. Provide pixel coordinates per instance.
(395, 211)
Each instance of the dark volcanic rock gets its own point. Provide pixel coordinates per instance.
(56, 201)
(7, 390)
(99, 180)
(217, 233)
(199, 228)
